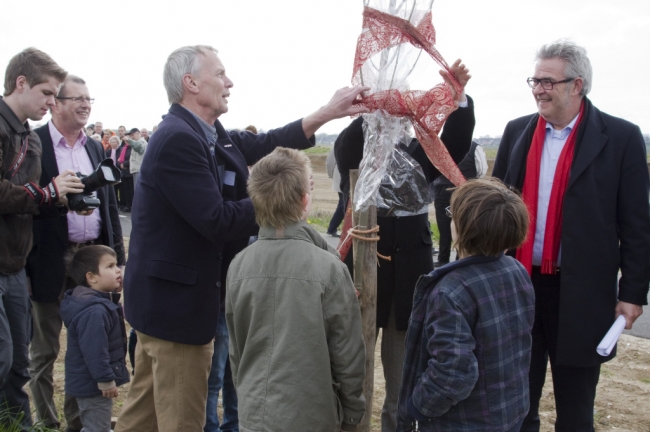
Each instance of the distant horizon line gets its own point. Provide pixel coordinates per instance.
(37, 124)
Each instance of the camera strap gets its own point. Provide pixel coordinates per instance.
(19, 159)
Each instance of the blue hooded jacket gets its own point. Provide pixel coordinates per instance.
(96, 341)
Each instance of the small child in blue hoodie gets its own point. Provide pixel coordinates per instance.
(95, 359)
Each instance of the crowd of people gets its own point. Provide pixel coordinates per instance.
(275, 325)
(126, 150)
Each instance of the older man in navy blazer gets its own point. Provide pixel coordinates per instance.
(191, 216)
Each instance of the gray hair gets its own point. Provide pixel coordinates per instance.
(577, 63)
(185, 60)
(74, 79)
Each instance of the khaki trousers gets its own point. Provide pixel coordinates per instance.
(169, 389)
(44, 351)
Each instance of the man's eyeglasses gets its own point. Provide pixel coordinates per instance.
(547, 83)
(448, 211)
(78, 100)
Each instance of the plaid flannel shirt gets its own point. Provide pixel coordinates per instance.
(468, 348)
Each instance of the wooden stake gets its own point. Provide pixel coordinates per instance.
(365, 281)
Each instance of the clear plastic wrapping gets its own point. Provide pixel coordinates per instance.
(394, 54)
(389, 177)
(399, 65)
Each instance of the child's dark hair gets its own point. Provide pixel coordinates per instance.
(86, 259)
(489, 218)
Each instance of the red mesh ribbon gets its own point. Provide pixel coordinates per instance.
(427, 110)
(345, 242)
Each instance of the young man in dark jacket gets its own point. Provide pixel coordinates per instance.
(32, 81)
(95, 359)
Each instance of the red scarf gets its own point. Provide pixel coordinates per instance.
(122, 154)
(553, 231)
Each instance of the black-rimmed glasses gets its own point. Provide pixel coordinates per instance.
(547, 83)
(79, 99)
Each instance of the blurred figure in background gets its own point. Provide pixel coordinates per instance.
(138, 145)
(108, 133)
(333, 173)
(145, 134)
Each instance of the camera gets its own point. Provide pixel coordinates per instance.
(106, 174)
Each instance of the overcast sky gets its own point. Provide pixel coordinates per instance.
(287, 57)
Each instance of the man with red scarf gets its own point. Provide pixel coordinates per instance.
(584, 178)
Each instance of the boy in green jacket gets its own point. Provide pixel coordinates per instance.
(296, 348)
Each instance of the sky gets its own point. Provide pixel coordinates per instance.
(288, 57)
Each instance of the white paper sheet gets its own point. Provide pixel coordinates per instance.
(609, 341)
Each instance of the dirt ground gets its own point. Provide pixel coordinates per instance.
(623, 397)
(621, 402)
(324, 197)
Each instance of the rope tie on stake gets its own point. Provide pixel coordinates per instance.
(364, 235)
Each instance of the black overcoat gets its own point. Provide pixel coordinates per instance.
(605, 226)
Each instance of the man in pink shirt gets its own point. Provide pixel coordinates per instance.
(65, 147)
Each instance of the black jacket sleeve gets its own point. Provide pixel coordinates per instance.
(456, 136)
(348, 151)
(116, 225)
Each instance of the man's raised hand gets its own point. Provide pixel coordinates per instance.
(341, 105)
(462, 75)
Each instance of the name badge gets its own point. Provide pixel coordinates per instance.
(229, 178)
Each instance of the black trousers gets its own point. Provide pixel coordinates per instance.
(440, 203)
(337, 217)
(118, 197)
(574, 387)
(126, 192)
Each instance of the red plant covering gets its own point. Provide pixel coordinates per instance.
(427, 110)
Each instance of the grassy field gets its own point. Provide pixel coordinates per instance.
(318, 150)
(320, 220)
(10, 424)
(491, 152)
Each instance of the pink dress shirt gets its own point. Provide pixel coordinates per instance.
(80, 228)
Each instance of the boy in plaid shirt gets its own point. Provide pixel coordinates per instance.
(469, 338)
